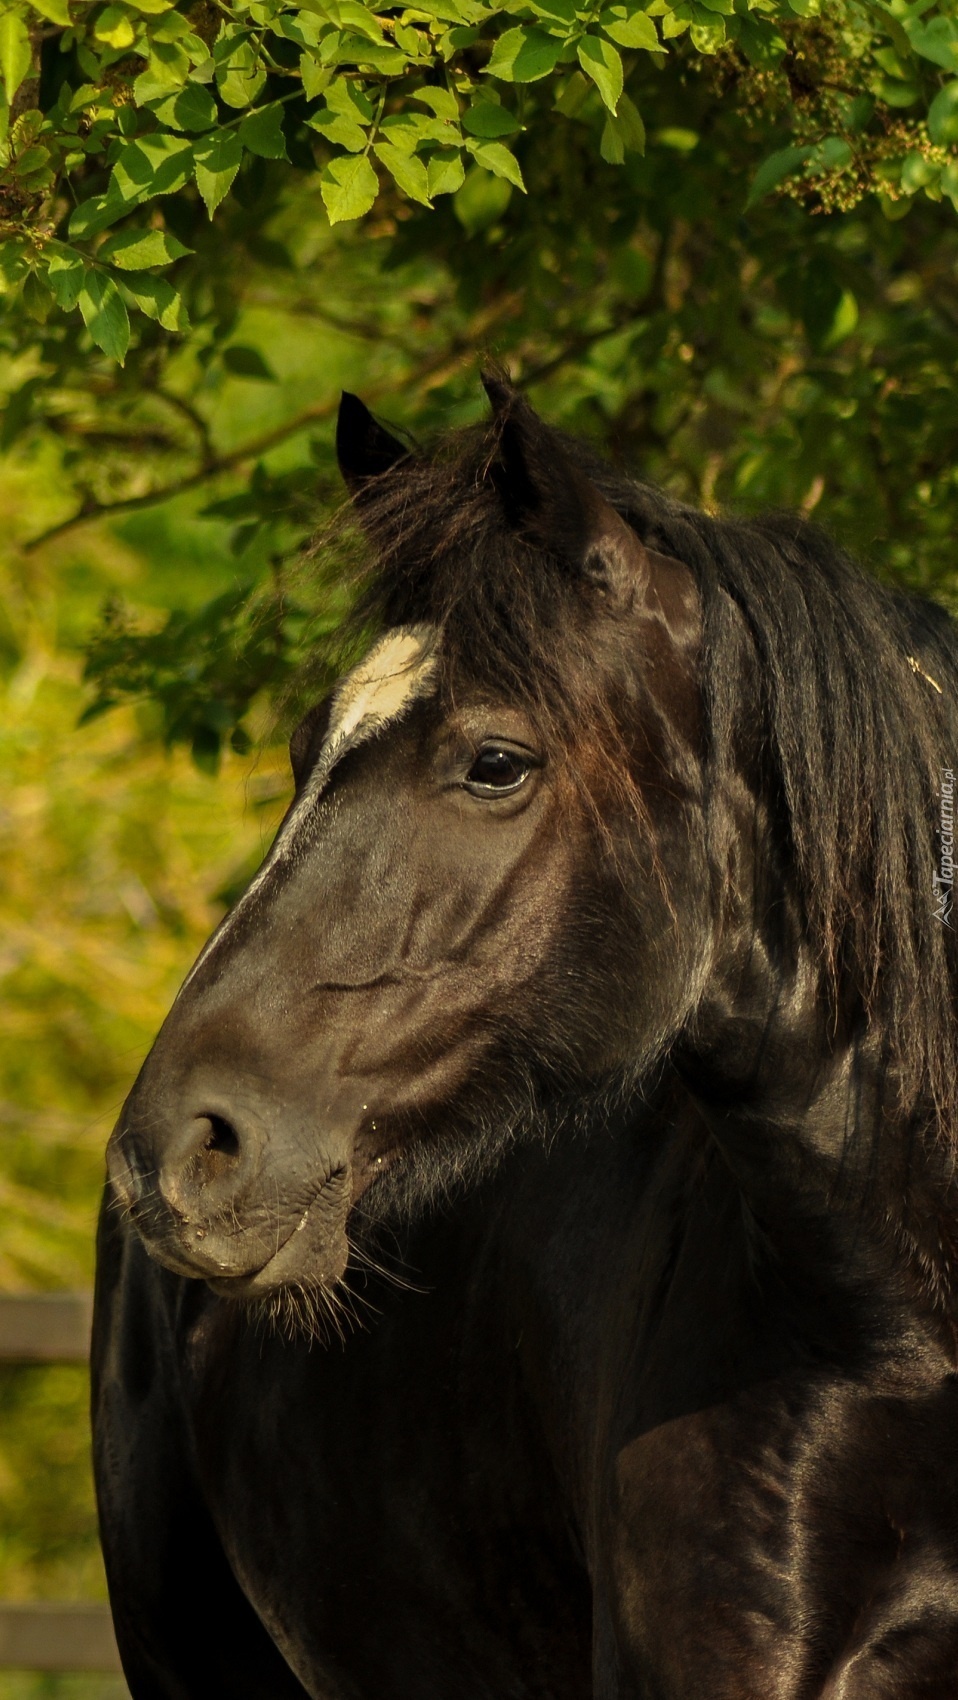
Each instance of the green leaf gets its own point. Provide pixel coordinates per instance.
(611, 145)
(675, 136)
(408, 171)
(16, 56)
(352, 16)
(262, 132)
(344, 132)
(524, 56)
(348, 98)
(13, 262)
(441, 101)
(482, 200)
(629, 124)
(943, 116)
(239, 84)
(135, 250)
(444, 173)
(152, 165)
(105, 315)
(936, 40)
(488, 120)
(245, 362)
(408, 129)
(774, 170)
(316, 77)
(603, 63)
(555, 11)
(356, 50)
(348, 187)
(113, 25)
(763, 45)
(630, 28)
(573, 95)
(831, 154)
(494, 157)
(218, 159)
(37, 299)
(65, 271)
(192, 108)
(58, 11)
(845, 320)
(98, 213)
(156, 297)
(917, 172)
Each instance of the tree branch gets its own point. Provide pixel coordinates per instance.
(443, 366)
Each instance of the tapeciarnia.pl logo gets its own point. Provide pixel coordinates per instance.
(944, 875)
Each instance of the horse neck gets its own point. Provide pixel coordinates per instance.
(802, 1101)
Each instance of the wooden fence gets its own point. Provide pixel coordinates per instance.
(37, 1328)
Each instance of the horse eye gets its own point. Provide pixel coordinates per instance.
(497, 771)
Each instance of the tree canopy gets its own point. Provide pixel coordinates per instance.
(718, 235)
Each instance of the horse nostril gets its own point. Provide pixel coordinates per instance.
(216, 1151)
(222, 1137)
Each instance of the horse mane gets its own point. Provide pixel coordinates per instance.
(859, 700)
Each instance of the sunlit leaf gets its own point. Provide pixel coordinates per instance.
(630, 28)
(348, 187)
(65, 271)
(113, 25)
(135, 250)
(445, 173)
(15, 53)
(105, 315)
(441, 101)
(58, 11)
(218, 159)
(603, 63)
(344, 132)
(524, 55)
(495, 157)
(408, 171)
(156, 297)
(192, 108)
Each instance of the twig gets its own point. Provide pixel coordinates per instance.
(442, 366)
(199, 424)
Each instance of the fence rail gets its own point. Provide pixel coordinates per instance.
(43, 1328)
(38, 1328)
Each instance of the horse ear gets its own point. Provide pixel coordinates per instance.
(547, 497)
(364, 448)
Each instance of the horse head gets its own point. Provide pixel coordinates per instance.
(616, 782)
(490, 893)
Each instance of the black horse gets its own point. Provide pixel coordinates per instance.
(592, 1021)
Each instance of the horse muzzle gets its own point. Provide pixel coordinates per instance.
(239, 1192)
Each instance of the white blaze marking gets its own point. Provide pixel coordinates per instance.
(398, 669)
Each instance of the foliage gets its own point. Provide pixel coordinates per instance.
(118, 119)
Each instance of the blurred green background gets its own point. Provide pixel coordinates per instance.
(790, 357)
